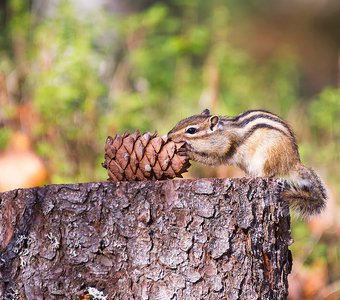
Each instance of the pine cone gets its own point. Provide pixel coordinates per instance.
(144, 157)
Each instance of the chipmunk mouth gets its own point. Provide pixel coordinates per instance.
(184, 148)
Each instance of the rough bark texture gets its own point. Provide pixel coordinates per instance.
(186, 239)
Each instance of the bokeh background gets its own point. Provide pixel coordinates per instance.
(73, 72)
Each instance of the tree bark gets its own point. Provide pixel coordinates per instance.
(175, 239)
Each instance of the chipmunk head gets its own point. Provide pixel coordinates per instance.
(203, 135)
(194, 127)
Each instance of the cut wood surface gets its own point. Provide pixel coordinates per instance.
(174, 239)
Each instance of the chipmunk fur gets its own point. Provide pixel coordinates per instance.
(261, 144)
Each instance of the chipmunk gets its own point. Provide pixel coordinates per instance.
(261, 144)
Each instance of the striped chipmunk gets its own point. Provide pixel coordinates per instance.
(258, 142)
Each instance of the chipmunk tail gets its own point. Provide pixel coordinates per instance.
(306, 192)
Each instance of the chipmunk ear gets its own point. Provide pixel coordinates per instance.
(205, 112)
(213, 121)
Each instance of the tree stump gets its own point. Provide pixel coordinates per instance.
(174, 239)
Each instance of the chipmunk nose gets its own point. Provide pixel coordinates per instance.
(170, 132)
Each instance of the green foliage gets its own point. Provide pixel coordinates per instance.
(172, 59)
(5, 134)
(308, 249)
(97, 74)
(324, 114)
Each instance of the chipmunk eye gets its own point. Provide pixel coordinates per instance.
(191, 130)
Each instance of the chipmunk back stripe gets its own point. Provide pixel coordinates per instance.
(237, 118)
(270, 117)
(261, 116)
(260, 126)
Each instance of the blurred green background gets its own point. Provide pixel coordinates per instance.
(73, 72)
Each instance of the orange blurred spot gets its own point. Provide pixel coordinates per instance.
(20, 167)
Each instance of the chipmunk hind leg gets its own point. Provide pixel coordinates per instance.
(268, 155)
(281, 159)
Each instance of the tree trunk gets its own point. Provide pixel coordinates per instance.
(175, 239)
